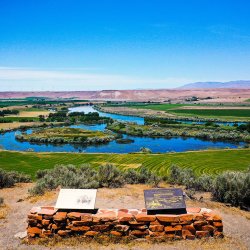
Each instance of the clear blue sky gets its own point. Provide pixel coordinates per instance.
(122, 44)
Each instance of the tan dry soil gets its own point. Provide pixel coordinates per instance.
(236, 222)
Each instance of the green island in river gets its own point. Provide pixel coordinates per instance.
(67, 135)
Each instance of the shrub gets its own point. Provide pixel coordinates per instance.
(233, 187)
(143, 176)
(110, 176)
(1, 201)
(67, 177)
(145, 150)
(132, 177)
(8, 179)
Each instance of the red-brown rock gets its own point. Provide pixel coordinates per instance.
(35, 217)
(189, 228)
(186, 217)
(193, 210)
(101, 228)
(168, 218)
(145, 218)
(185, 233)
(86, 218)
(198, 224)
(139, 233)
(217, 224)
(121, 228)
(91, 233)
(208, 228)
(60, 216)
(74, 215)
(198, 217)
(156, 228)
(45, 222)
(218, 234)
(34, 230)
(80, 229)
(173, 228)
(63, 232)
(190, 237)
(47, 211)
(202, 234)
(116, 233)
(46, 233)
(156, 234)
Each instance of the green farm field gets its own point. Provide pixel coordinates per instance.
(178, 110)
(210, 161)
(214, 112)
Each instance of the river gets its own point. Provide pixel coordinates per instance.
(161, 145)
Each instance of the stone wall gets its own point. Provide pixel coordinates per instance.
(130, 223)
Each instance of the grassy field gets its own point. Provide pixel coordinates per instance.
(18, 119)
(214, 112)
(211, 161)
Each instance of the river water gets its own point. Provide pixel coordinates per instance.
(161, 145)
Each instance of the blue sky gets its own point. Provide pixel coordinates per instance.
(122, 44)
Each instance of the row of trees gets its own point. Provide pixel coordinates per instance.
(8, 112)
(73, 117)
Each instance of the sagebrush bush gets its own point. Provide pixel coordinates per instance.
(228, 187)
(8, 179)
(143, 176)
(85, 176)
(67, 177)
(110, 176)
(1, 201)
(233, 187)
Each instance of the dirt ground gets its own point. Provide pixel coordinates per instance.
(236, 222)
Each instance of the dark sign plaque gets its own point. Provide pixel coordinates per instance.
(165, 201)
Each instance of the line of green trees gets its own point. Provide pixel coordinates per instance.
(9, 112)
(75, 117)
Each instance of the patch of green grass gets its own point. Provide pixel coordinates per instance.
(19, 119)
(65, 133)
(214, 112)
(210, 161)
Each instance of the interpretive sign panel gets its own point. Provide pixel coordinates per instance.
(76, 199)
(165, 201)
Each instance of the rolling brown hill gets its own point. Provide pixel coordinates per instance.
(230, 95)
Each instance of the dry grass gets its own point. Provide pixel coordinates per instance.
(15, 125)
(4, 209)
(104, 242)
(33, 113)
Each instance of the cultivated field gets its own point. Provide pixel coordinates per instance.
(209, 161)
(181, 110)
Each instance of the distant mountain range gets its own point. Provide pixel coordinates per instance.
(218, 85)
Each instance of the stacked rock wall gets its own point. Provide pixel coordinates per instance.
(134, 223)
